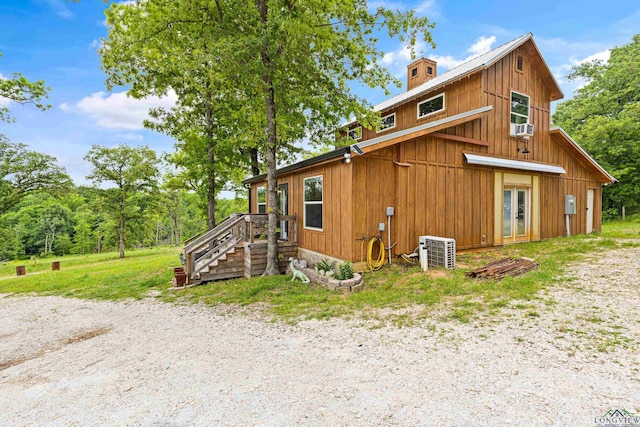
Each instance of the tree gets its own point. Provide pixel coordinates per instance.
(22, 91)
(166, 46)
(24, 172)
(603, 118)
(307, 53)
(133, 171)
(289, 63)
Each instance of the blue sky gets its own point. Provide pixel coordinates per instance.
(57, 41)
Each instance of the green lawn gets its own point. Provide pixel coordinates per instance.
(105, 276)
(100, 276)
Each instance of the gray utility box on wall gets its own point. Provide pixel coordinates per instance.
(569, 204)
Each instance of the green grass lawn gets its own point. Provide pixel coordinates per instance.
(100, 276)
(105, 276)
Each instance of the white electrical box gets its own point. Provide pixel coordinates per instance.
(390, 211)
(381, 226)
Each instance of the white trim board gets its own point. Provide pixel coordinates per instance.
(474, 159)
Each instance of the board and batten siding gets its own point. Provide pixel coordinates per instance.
(335, 239)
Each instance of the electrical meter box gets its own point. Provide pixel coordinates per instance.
(569, 204)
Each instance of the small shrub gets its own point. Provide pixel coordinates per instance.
(324, 265)
(345, 271)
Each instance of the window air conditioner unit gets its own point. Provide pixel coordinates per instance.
(525, 129)
(440, 251)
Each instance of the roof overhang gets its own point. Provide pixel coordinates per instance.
(559, 135)
(418, 131)
(498, 162)
(331, 155)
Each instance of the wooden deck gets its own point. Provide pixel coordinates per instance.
(236, 248)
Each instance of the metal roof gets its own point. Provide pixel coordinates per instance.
(474, 64)
(475, 159)
(589, 159)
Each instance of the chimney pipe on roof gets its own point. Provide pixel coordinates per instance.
(420, 71)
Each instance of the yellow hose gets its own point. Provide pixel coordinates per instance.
(375, 265)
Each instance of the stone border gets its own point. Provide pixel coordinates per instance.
(350, 285)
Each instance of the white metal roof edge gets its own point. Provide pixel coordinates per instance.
(475, 159)
(591, 159)
(468, 67)
(425, 126)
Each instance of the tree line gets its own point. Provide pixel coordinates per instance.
(130, 206)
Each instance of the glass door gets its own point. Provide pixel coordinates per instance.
(283, 195)
(516, 213)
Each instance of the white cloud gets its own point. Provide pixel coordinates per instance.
(117, 110)
(95, 44)
(4, 102)
(482, 45)
(60, 8)
(428, 8)
(600, 56)
(130, 136)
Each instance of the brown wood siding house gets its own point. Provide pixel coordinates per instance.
(450, 164)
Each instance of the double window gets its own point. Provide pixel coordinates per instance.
(431, 106)
(262, 200)
(313, 202)
(388, 122)
(355, 133)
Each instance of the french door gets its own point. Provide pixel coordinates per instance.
(516, 220)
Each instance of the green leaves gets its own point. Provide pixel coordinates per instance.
(21, 91)
(603, 118)
(23, 172)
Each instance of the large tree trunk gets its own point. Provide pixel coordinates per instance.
(121, 228)
(269, 92)
(211, 174)
(255, 166)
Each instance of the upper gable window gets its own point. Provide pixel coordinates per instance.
(431, 106)
(519, 108)
(519, 63)
(355, 133)
(414, 72)
(262, 200)
(388, 122)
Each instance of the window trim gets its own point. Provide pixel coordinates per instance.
(351, 130)
(528, 116)
(305, 203)
(390, 127)
(444, 106)
(258, 199)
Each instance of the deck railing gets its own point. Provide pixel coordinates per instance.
(205, 249)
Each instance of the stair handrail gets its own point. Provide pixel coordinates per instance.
(210, 235)
(229, 244)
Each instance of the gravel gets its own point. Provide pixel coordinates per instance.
(562, 359)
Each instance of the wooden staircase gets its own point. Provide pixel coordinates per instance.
(231, 249)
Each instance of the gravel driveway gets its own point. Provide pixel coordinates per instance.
(561, 360)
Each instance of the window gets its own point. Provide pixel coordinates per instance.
(262, 200)
(431, 105)
(519, 65)
(519, 108)
(313, 202)
(429, 70)
(388, 122)
(414, 72)
(355, 133)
